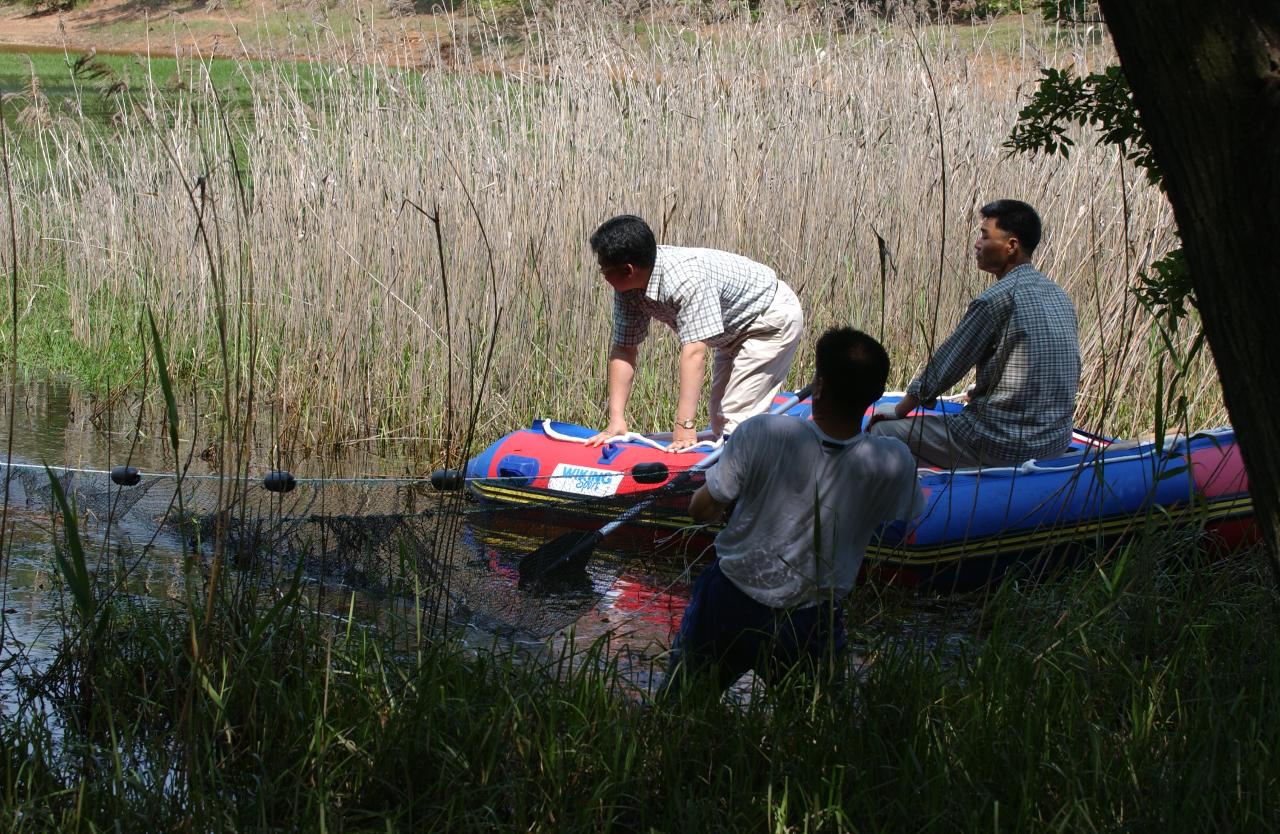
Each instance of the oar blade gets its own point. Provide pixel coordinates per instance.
(562, 554)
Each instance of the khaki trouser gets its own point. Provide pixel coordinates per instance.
(748, 374)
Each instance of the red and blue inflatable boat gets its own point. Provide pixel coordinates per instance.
(978, 524)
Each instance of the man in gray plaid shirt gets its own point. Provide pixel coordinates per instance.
(711, 299)
(1021, 335)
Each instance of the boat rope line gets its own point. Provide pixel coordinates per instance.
(904, 553)
(1066, 535)
(1174, 444)
(708, 445)
(267, 480)
(195, 476)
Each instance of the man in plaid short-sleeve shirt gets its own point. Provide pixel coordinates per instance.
(711, 299)
(1021, 335)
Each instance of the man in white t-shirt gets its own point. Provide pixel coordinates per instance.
(804, 499)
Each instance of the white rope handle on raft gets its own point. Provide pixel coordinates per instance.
(630, 437)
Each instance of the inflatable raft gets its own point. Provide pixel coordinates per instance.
(978, 524)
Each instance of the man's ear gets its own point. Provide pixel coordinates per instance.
(630, 272)
(815, 390)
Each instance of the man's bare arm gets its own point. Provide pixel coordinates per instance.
(621, 372)
(703, 508)
(693, 366)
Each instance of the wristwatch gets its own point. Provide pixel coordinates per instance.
(685, 424)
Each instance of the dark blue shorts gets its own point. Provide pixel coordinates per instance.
(725, 633)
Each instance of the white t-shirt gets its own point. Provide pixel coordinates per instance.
(783, 472)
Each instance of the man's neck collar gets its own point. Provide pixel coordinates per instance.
(1014, 268)
(839, 430)
(655, 277)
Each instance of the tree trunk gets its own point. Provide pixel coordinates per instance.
(1205, 75)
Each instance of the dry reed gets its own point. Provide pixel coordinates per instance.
(786, 139)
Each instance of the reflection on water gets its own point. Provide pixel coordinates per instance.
(632, 597)
(357, 533)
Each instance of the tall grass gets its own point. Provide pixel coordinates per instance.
(1136, 697)
(790, 140)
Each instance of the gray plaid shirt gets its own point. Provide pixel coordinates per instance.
(1021, 334)
(705, 295)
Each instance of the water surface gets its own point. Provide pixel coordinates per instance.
(346, 521)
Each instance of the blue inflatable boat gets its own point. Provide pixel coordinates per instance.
(977, 526)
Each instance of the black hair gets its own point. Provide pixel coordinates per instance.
(854, 368)
(625, 239)
(1018, 219)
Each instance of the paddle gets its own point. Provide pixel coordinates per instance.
(571, 551)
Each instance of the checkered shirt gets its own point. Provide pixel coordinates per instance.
(703, 294)
(1021, 335)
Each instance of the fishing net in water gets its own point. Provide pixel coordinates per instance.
(379, 536)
